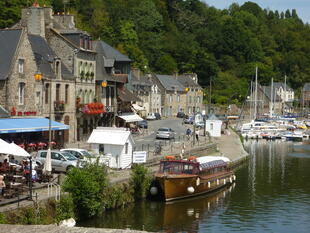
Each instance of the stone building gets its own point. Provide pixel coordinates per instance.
(179, 93)
(112, 73)
(22, 93)
(76, 49)
(141, 86)
(305, 96)
(194, 93)
(173, 94)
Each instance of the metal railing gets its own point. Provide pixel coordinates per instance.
(56, 187)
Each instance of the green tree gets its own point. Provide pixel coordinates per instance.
(86, 187)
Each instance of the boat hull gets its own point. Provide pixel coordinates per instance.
(184, 186)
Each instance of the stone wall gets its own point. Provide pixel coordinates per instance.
(32, 88)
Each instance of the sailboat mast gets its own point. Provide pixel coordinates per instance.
(271, 99)
(255, 100)
(284, 92)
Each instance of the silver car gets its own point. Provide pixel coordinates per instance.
(61, 161)
(165, 133)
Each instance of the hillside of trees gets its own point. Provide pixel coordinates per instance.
(167, 36)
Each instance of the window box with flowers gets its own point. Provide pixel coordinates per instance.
(82, 74)
(92, 75)
(87, 75)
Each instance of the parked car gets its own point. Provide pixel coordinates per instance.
(62, 161)
(200, 124)
(142, 124)
(151, 116)
(181, 115)
(82, 154)
(157, 115)
(165, 133)
(188, 120)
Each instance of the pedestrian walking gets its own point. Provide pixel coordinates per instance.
(197, 136)
(188, 133)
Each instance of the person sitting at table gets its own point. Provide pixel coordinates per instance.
(12, 159)
(5, 166)
(2, 185)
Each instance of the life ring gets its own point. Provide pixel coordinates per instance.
(192, 158)
(170, 157)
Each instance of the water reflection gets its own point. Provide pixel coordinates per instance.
(182, 215)
(185, 215)
(272, 194)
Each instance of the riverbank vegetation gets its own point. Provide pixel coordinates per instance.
(86, 193)
(221, 46)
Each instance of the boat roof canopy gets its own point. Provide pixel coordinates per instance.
(213, 164)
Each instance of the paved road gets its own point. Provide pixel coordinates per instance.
(153, 126)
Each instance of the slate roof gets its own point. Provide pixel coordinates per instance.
(127, 96)
(111, 53)
(9, 39)
(280, 84)
(44, 55)
(101, 73)
(267, 91)
(170, 83)
(306, 87)
(142, 81)
(187, 81)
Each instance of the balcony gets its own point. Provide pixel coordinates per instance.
(59, 106)
(95, 108)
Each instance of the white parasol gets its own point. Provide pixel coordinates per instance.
(18, 151)
(48, 163)
(5, 147)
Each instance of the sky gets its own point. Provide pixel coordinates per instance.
(302, 6)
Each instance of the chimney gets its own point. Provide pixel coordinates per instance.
(33, 18)
(136, 72)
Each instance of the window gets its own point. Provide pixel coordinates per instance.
(56, 156)
(21, 93)
(126, 148)
(57, 92)
(211, 126)
(198, 99)
(47, 87)
(38, 98)
(189, 99)
(101, 148)
(58, 73)
(170, 98)
(178, 98)
(67, 93)
(21, 66)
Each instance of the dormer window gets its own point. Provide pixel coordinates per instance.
(81, 41)
(58, 69)
(90, 43)
(85, 42)
(21, 66)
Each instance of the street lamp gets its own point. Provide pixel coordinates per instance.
(38, 77)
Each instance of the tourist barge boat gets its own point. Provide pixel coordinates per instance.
(183, 178)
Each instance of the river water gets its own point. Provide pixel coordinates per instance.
(271, 194)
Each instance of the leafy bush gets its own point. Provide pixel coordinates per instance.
(64, 208)
(2, 219)
(86, 187)
(118, 196)
(140, 180)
